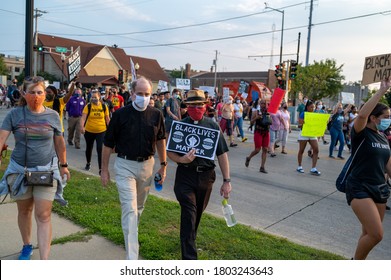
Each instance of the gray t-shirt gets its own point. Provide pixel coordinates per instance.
(41, 129)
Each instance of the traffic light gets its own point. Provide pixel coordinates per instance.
(293, 69)
(37, 48)
(120, 75)
(278, 71)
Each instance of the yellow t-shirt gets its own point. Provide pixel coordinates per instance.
(49, 104)
(96, 122)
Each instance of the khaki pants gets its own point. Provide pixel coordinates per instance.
(133, 181)
(74, 130)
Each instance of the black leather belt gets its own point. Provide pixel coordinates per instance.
(138, 159)
(198, 168)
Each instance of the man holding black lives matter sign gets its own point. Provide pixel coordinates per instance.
(193, 144)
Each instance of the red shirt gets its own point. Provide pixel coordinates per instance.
(117, 100)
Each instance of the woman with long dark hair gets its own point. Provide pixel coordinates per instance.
(366, 188)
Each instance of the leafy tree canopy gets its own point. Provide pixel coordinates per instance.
(3, 67)
(319, 80)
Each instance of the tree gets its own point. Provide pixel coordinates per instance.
(319, 80)
(3, 67)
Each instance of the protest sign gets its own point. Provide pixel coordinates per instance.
(210, 90)
(185, 136)
(376, 68)
(162, 86)
(314, 124)
(74, 64)
(183, 84)
(275, 101)
(347, 97)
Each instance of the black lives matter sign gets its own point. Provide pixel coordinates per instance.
(376, 69)
(184, 137)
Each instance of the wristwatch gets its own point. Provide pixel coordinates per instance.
(64, 164)
(164, 163)
(227, 180)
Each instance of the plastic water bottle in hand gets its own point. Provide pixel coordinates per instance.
(228, 213)
(158, 187)
(64, 180)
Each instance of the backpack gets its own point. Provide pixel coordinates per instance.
(266, 119)
(330, 123)
(10, 92)
(104, 108)
(340, 183)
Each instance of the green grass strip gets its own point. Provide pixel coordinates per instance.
(98, 210)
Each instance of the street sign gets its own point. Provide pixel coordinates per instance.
(61, 49)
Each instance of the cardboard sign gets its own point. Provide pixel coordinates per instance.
(185, 136)
(376, 69)
(74, 64)
(314, 124)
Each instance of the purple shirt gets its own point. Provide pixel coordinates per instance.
(75, 106)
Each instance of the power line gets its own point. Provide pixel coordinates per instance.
(183, 26)
(255, 34)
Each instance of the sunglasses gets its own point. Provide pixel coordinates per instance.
(34, 79)
(39, 92)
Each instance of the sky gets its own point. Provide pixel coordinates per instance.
(176, 32)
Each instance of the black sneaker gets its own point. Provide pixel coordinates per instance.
(70, 143)
(233, 145)
(88, 167)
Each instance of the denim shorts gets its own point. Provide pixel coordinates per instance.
(379, 193)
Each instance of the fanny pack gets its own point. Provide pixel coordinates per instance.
(38, 178)
(35, 178)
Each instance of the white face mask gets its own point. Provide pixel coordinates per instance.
(229, 102)
(320, 107)
(141, 103)
(237, 101)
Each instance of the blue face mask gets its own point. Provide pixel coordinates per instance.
(384, 124)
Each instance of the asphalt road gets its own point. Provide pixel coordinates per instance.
(303, 208)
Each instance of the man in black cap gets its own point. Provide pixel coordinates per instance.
(195, 176)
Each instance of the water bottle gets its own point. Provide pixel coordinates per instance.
(158, 187)
(64, 180)
(228, 213)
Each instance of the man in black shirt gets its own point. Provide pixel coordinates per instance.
(195, 176)
(136, 131)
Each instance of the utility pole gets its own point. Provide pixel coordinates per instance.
(28, 51)
(307, 58)
(298, 47)
(282, 27)
(38, 13)
(215, 65)
(272, 49)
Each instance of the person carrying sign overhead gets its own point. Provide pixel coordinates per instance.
(195, 175)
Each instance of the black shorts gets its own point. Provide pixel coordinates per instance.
(379, 193)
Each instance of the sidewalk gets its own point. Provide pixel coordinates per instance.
(94, 247)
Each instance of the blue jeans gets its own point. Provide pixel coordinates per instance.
(239, 123)
(336, 134)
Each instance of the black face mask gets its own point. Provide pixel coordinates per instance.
(285, 107)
